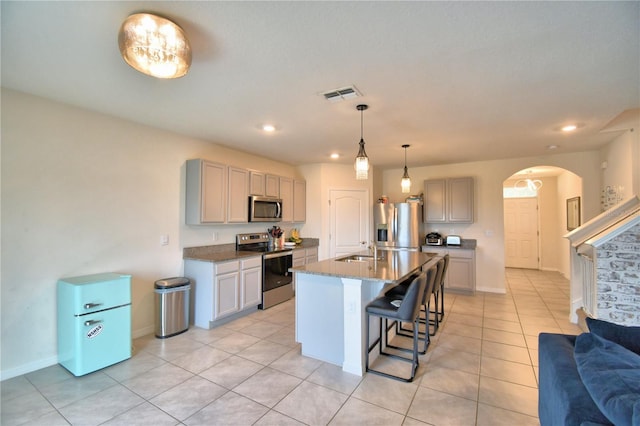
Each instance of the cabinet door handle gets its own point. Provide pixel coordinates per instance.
(91, 305)
(92, 322)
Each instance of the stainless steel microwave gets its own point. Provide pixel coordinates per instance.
(265, 209)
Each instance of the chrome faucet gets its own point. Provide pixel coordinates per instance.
(373, 247)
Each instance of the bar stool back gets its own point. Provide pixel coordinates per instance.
(399, 291)
(436, 295)
(406, 309)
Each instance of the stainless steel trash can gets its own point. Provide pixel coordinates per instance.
(172, 306)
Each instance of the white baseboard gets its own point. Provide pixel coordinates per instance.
(491, 290)
(28, 368)
(48, 362)
(135, 334)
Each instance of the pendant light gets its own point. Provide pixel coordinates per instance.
(406, 180)
(362, 161)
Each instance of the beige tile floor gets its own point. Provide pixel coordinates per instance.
(481, 369)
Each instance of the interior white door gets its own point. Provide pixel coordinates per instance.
(521, 232)
(350, 216)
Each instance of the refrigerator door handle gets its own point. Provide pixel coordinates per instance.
(92, 322)
(91, 305)
(395, 224)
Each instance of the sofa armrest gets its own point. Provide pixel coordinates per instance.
(562, 398)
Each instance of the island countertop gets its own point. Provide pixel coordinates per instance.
(391, 266)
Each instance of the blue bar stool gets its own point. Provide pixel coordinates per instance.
(392, 308)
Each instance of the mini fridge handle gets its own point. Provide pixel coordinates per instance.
(92, 322)
(91, 305)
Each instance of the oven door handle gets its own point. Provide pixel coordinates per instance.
(278, 254)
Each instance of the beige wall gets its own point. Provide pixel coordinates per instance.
(85, 193)
(617, 163)
(488, 228)
(323, 178)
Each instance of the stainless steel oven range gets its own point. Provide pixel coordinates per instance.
(277, 281)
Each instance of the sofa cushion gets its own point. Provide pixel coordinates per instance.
(562, 397)
(611, 374)
(629, 337)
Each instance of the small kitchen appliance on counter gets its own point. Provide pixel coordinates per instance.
(434, 239)
(454, 240)
(94, 321)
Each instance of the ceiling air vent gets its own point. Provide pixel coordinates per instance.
(338, 95)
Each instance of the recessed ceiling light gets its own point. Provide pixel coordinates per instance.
(335, 155)
(551, 147)
(568, 127)
(268, 127)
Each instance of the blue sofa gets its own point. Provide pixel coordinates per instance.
(590, 379)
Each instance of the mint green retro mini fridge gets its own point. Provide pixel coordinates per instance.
(94, 321)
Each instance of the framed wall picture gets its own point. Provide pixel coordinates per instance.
(573, 213)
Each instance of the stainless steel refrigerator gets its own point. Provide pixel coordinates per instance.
(397, 226)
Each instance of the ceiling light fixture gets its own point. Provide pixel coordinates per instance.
(268, 127)
(362, 161)
(406, 180)
(335, 155)
(530, 184)
(569, 128)
(154, 46)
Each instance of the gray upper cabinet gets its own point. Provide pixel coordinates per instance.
(218, 193)
(257, 183)
(286, 194)
(448, 200)
(272, 186)
(238, 201)
(206, 194)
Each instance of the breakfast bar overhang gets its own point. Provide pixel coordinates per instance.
(331, 297)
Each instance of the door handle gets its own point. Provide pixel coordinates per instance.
(91, 305)
(92, 322)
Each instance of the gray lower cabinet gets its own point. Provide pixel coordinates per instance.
(461, 274)
(224, 288)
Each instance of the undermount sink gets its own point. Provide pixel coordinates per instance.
(358, 258)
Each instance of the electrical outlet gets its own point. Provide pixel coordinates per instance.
(215, 236)
(164, 240)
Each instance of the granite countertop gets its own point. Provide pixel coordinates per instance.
(392, 266)
(226, 252)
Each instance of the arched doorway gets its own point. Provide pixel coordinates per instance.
(535, 217)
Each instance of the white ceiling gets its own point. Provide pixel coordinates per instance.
(458, 81)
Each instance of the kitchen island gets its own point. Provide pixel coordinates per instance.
(331, 297)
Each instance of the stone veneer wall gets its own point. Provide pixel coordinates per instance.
(618, 272)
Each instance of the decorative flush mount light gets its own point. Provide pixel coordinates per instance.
(531, 184)
(406, 180)
(154, 46)
(362, 161)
